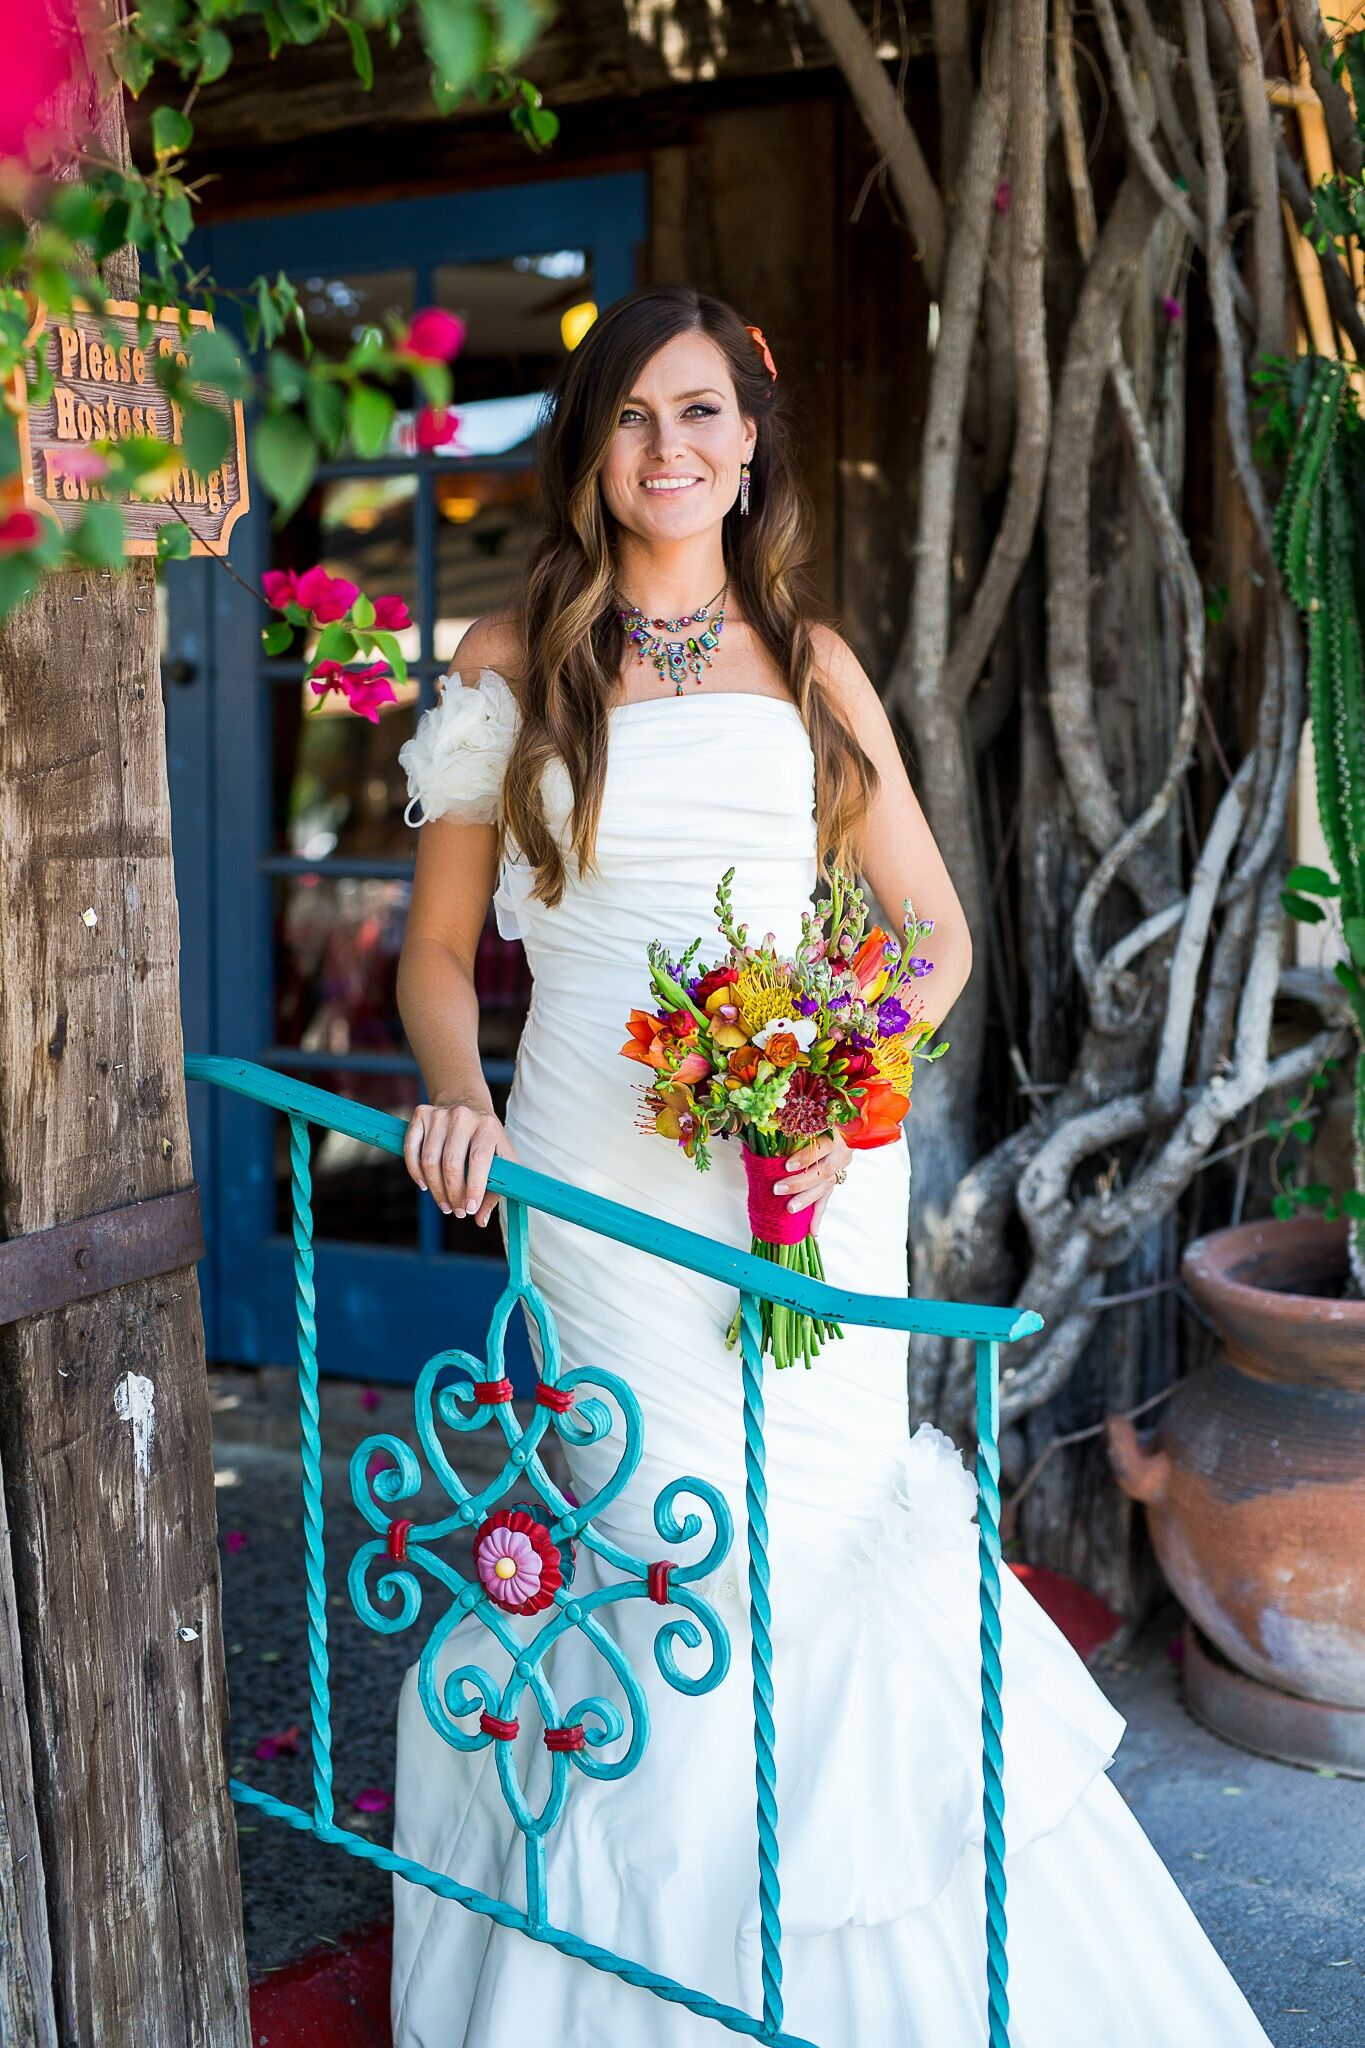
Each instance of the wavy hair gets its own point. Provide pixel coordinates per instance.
(572, 640)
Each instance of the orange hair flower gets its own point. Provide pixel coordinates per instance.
(755, 334)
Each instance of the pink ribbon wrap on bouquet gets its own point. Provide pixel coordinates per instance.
(771, 1221)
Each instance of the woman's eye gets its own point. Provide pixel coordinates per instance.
(707, 411)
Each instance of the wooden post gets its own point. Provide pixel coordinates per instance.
(26, 2014)
(104, 1413)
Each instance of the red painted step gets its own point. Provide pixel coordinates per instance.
(339, 1997)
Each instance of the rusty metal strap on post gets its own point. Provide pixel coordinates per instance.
(48, 1269)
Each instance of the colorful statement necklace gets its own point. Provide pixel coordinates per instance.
(674, 650)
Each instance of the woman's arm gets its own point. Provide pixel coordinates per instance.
(899, 855)
(455, 1133)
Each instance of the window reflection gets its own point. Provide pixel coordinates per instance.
(338, 788)
(484, 524)
(337, 941)
(360, 1196)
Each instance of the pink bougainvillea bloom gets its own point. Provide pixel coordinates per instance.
(365, 689)
(18, 529)
(435, 427)
(286, 1743)
(369, 1397)
(280, 587)
(372, 1800)
(1172, 308)
(42, 54)
(235, 1540)
(1002, 196)
(79, 462)
(327, 598)
(434, 336)
(391, 614)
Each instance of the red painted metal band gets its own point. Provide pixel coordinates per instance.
(504, 1731)
(491, 1392)
(554, 1397)
(658, 1581)
(398, 1541)
(570, 1737)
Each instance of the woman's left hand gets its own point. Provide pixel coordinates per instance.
(814, 1168)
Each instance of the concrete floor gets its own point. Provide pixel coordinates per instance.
(1270, 1856)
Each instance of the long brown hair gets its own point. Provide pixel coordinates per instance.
(573, 641)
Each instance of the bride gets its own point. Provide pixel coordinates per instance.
(661, 707)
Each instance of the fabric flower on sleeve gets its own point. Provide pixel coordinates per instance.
(454, 761)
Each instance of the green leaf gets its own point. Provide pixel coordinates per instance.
(362, 611)
(335, 643)
(459, 40)
(1274, 1128)
(1314, 1195)
(1353, 1202)
(277, 637)
(1302, 907)
(360, 53)
(19, 578)
(387, 643)
(133, 61)
(215, 54)
(1316, 880)
(369, 416)
(326, 412)
(173, 542)
(216, 360)
(98, 539)
(287, 377)
(206, 436)
(172, 132)
(1353, 930)
(1303, 1129)
(1283, 1207)
(1295, 1104)
(286, 457)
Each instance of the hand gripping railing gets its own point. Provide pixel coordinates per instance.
(573, 1735)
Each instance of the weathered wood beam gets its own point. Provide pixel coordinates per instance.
(595, 50)
(104, 1413)
(27, 2019)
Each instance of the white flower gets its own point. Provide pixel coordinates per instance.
(454, 761)
(802, 1029)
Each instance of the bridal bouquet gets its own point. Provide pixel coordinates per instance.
(778, 1050)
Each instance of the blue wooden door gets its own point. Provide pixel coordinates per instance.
(293, 862)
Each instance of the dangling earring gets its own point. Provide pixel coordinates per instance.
(743, 486)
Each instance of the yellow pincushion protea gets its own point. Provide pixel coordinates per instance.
(765, 992)
(895, 1061)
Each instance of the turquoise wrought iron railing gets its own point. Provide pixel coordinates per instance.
(594, 1723)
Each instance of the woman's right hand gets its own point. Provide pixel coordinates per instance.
(448, 1150)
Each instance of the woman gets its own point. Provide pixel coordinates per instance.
(561, 778)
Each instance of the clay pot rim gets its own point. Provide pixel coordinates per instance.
(1207, 1262)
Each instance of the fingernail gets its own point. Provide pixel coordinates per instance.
(796, 1202)
(445, 1209)
(422, 1185)
(470, 1207)
(779, 1187)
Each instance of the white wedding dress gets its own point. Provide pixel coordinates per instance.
(872, 1540)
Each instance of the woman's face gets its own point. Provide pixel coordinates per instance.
(673, 468)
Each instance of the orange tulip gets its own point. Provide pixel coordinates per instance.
(882, 1111)
(654, 1041)
(869, 965)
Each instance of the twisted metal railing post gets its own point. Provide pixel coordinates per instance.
(310, 1434)
(760, 1621)
(992, 1712)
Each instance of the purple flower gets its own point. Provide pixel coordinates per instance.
(1172, 308)
(837, 1002)
(806, 1006)
(919, 965)
(859, 1040)
(891, 1018)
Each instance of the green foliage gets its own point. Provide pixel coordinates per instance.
(53, 240)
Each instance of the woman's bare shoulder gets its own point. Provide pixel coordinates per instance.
(494, 641)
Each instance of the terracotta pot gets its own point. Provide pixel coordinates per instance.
(1255, 1485)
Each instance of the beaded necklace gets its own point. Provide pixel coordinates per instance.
(674, 650)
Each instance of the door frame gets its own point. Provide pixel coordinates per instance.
(218, 741)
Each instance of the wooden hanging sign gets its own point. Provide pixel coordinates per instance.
(105, 390)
